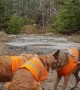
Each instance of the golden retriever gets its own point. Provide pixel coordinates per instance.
(24, 79)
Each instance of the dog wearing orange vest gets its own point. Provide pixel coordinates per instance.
(69, 63)
(33, 71)
(9, 65)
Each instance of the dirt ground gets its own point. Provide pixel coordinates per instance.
(48, 84)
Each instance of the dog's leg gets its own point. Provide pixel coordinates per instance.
(57, 81)
(66, 78)
(77, 80)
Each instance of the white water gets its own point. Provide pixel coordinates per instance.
(43, 42)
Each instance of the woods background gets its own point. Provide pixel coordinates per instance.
(62, 16)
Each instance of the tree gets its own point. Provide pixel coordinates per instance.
(67, 20)
(3, 17)
(14, 25)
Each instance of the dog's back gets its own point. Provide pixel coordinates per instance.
(9, 64)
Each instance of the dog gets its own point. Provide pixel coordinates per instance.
(9, 65)
(33, 71)
(68, 60)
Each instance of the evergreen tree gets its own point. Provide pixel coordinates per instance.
(67, 20)
(3, 16)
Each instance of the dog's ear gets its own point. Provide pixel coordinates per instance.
(56, 54)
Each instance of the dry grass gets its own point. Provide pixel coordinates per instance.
(32, 29)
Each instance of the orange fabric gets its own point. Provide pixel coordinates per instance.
(16, 62)
(68, 69)
(75, 51)
(38, 76)
(39, 67)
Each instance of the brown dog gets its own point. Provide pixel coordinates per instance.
(25, 79)
(7, 69)
(65, 63)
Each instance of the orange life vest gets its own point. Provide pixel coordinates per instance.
(16, 62)
(74, 52)
(37, 68)
(68, 69)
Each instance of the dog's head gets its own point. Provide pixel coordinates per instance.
(50, 60)
(61, 58)
(56, 60)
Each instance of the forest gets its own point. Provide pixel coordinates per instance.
(61, 16)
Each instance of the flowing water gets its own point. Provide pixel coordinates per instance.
(40, 44)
